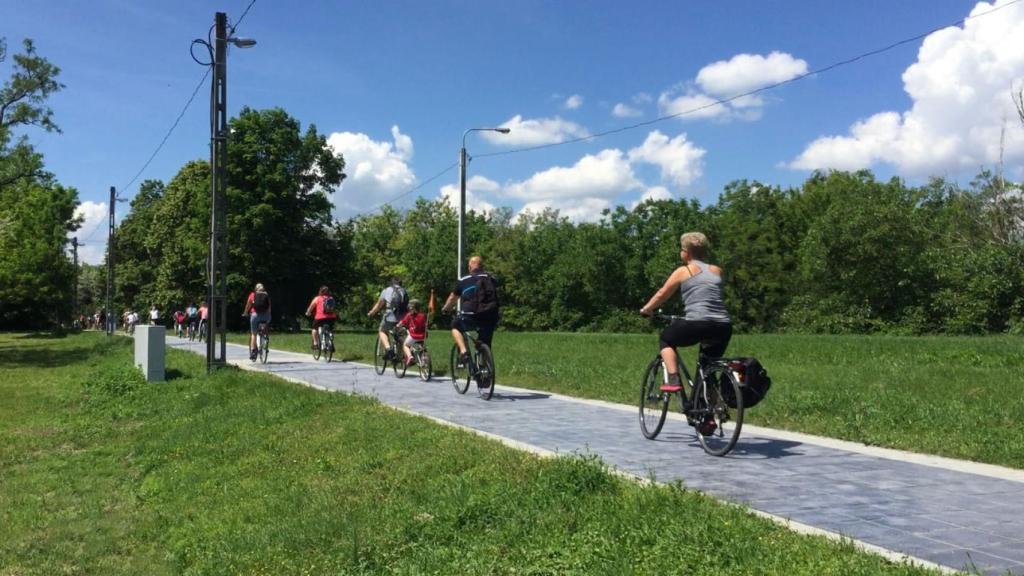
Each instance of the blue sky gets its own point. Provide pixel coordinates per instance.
(394, 84)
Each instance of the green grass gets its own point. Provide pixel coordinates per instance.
(959, 397)
(242, 473)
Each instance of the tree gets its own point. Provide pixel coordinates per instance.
(36, 276)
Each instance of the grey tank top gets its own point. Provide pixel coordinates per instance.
(702, 296)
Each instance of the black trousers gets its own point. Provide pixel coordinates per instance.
(713, 337)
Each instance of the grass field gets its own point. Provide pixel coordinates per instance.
(241, 473)
(961, 397)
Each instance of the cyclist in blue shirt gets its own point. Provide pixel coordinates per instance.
(478, 306)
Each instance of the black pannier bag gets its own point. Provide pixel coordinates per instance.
(754, 382)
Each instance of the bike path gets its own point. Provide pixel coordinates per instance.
(952, 518)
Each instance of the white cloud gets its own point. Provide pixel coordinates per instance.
(642, 98)
(92, 234)
(691, 104)
(403, 144)
(653, 193)
(577, 210)
(533, 132)
(726, 79)
(594, 183)
(606, 174)
(681, 162)
(960, 87)
(476, 188)
(376, 171)
(746, 72)
(573, 102)
(625, 111)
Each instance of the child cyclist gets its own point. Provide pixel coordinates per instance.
(415, 321)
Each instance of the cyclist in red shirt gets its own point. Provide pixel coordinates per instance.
(322, 311)
(416, 322)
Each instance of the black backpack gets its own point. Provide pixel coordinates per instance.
(399, 303)
(261, 302)
(754, 382)
(485, 295)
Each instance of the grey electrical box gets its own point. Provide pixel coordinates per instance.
(149, 351)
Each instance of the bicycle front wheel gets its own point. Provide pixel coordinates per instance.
(719, 424)
(426, 369)
(264, 349)
(398, 362)
(459, 374)
(653, 402)
(485, 372)
(379, 364)
(328, 346)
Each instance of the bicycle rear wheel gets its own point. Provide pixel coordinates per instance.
(653, 402)
(485, 372)
(328, 345)
(423, 363)
(264, 348)
(719, 425)
(319, 346)
(459, 374)
(379, 365)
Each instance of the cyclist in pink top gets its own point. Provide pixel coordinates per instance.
(416, 322)
(321, 308)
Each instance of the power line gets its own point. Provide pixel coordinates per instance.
(169, 131)
(242, 17)
(410, 191)
(723, 101)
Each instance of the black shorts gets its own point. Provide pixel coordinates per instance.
(713, 337)
(329, 322)
(483, 326)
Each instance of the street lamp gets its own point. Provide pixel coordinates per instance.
(462, 188)
(217, 263)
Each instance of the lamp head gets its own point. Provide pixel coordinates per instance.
(242, 42)
(503, 130)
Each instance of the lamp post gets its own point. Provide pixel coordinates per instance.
(462, 189)
(217, 268)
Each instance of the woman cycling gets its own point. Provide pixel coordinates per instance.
(706, 320)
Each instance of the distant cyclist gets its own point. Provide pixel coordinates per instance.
(477, 295)
(706, 321)
(257, 307)
(322, 310)
(192, 316)
(154, 315)
(204, 318)
(179, 323)
(395, 300)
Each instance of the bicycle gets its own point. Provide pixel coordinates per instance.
(326, 348)
(705, 407)
(262, 342)
(203, 329)
(191, 330)
(480, 367)
(392, 353)
(421, 357)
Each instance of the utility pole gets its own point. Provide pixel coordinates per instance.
(74, 309)
(217, 285)
(110, 264)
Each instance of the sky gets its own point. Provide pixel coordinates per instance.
(393, 85)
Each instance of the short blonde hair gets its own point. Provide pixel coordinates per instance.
(696, 243)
